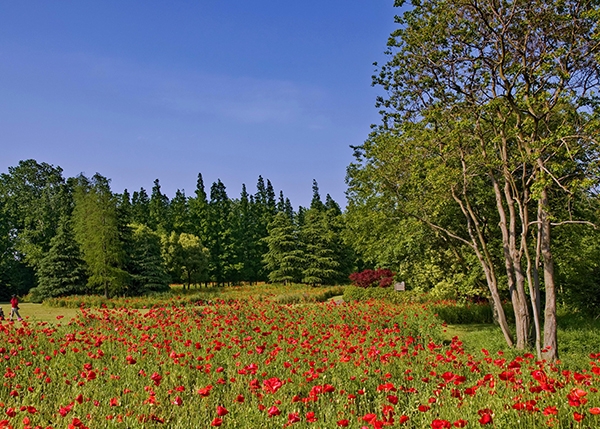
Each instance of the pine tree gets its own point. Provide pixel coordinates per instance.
(140, 207)
(316, 202)
(198, 211)
(320, 265)
(219, 232)
(62, 270)
(179, 213)
(147, 268)
(247, 262)
(159, 209)
(284, 258)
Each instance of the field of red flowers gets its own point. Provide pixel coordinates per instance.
(253, 364)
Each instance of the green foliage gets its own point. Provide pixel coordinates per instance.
(185, 257)
(34, 196)
(96, 227)
(147, 268)
(320, 263)
(62, 271)
(284, 258)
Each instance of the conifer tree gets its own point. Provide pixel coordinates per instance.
(247, 262)
(140, 207)
(198, 211)
(284, 258)
(159, 209)
(219, 232)
(62, 271)
(320, 262)
(96, 230)
(316, 202)
(147, 268)
(179, 213)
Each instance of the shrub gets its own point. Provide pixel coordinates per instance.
(373, 278)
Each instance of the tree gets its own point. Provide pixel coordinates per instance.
(194, 258)
(219, 232)
(179, 213)
(62, 271)
(490, 105)
(316, 202)
(158, 208)
(34, 197)
(140, 207)
(185, 258)
(96, 227)
(284, 258)
(198, 211)
(147, 267)
(320, 263)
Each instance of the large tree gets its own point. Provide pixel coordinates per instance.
(284, 259)
(62, 271)
(96, 227)
(34, 198)
(490, 110)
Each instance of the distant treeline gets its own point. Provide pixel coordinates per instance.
(61, 236)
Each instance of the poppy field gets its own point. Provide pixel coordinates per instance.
(250, 364)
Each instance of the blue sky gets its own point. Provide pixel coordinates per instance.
(140, 90)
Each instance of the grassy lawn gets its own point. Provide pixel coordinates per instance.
(578, 336)
(41, 313)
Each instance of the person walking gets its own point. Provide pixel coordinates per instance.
(14, 308)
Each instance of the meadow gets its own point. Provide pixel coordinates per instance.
(255, 361)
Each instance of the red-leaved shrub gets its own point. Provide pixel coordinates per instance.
(373, 278)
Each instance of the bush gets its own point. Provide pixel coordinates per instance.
(373, 278)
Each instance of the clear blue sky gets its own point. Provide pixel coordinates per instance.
(140, 90)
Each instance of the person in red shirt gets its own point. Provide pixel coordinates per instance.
(14, 308)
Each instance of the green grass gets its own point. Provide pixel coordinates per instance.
(41, 313)
(578, 336)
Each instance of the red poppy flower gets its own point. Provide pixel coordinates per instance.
(273, 411)
(595, 411)
(440, 424)
(459, 423)
(216, 422)
(486, 419)
(343, 423)
(293, 418)
(578, 417)
(222, 411)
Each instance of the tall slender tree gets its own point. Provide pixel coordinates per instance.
(96, 229)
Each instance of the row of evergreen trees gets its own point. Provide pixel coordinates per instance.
(66, 236)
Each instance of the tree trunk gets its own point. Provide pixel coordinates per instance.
(550, 351)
